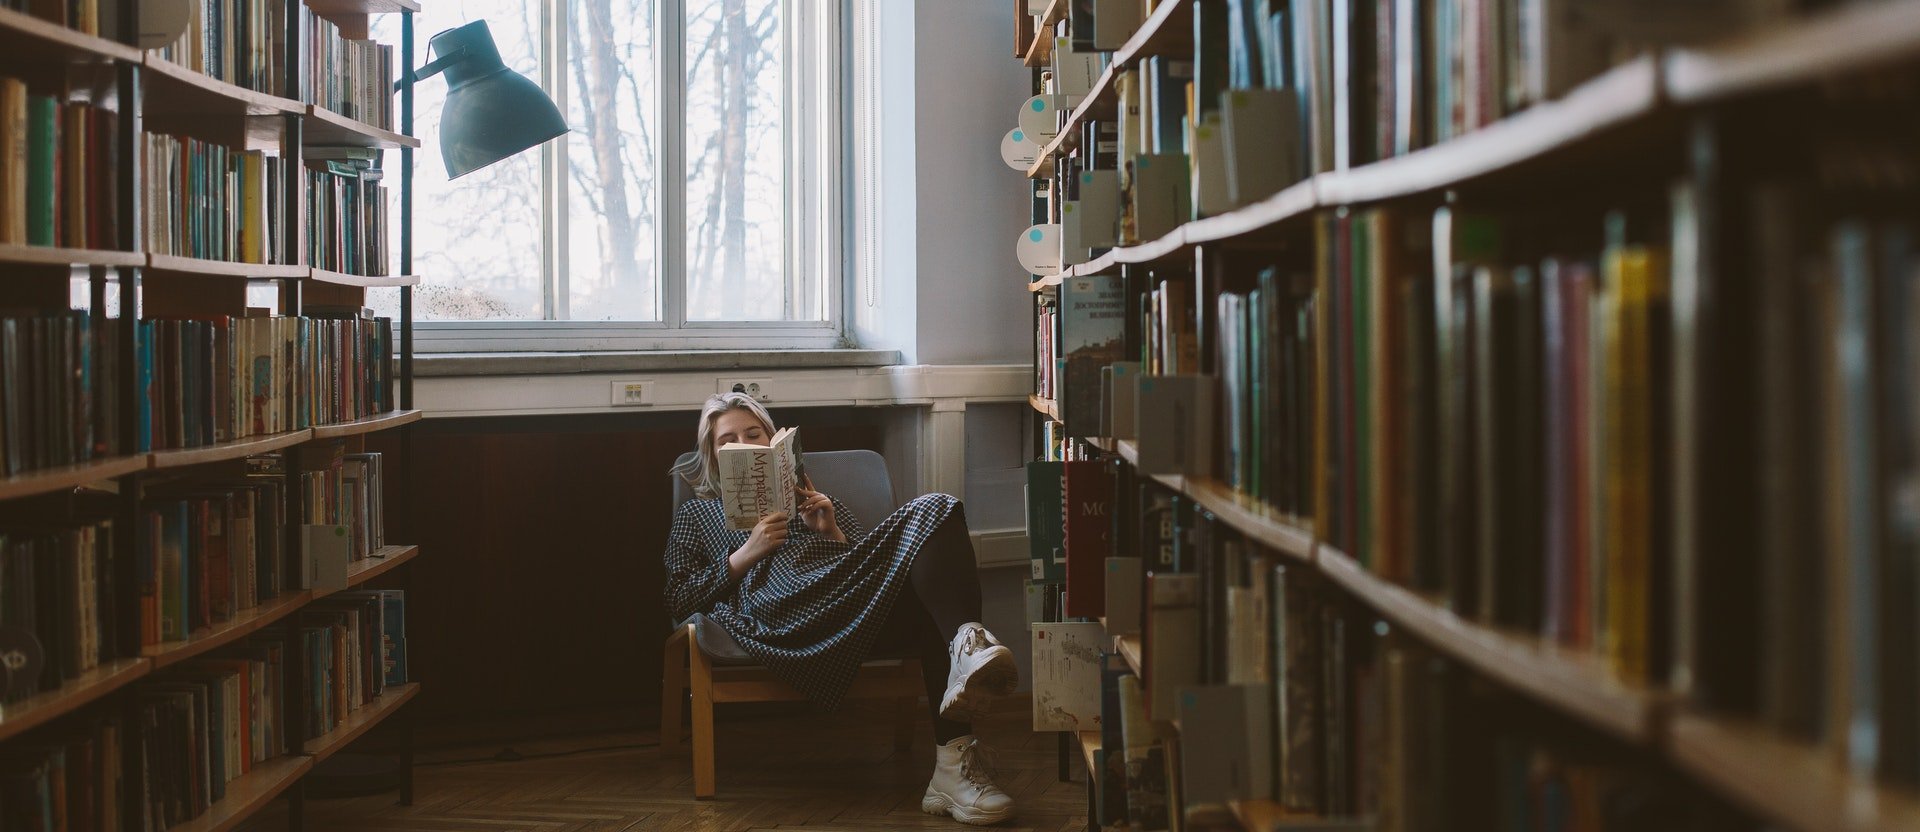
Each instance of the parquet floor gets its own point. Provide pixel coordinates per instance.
(825, 772)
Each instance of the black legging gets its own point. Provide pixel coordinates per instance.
(943, 593)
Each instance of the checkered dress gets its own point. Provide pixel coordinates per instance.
(811, 610)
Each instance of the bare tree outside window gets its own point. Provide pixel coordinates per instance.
(480, 246)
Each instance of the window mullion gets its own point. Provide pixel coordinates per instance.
(669, 39)
(556, 203)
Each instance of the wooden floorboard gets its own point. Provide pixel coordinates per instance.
(824, 773)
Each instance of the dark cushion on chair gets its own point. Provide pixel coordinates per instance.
(715, 642)
(857, 478)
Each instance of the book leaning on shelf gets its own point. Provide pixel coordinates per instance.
(243, 42)
(758, 480)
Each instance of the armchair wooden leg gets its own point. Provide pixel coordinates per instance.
(673, 688)
(701, 671)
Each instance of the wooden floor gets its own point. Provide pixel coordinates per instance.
(816, 771)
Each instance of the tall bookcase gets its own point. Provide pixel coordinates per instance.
(338, 378)
(1600, 407)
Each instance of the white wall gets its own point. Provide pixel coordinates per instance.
(972, 305)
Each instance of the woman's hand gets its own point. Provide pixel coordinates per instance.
(767, 537)
(817, 509)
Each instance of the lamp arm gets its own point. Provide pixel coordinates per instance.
(430, 69)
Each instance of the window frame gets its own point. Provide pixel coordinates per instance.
(814, 198)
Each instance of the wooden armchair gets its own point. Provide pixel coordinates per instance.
(701, 659)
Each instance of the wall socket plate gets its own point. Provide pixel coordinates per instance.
(760, 389)
(632, 393)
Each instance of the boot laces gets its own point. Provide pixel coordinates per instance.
(974, 641)
(976, 765)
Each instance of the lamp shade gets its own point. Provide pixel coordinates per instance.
(491, 112)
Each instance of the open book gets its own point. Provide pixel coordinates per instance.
(758, 480)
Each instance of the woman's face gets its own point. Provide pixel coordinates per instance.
(739, 425)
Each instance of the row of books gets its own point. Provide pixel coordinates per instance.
(1787, 339)
(215, 549)
(1283, 691)
(57, 160)
(345, 490)
(201, 727)
(355, 645)
(71, 779)
(347, 213)
(224, 379)
(1046, 344)
(353, 78)
(1276, 90)
(93, 17)
(241, 42)
(1266, 340)
(60, 584)
(207, 200)
(206, 725)
(60, 390)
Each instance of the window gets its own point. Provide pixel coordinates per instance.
(694, 203)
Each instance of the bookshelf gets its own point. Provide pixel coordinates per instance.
(1661, 702)
(151, 457)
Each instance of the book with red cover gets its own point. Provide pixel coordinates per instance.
(1089, 497)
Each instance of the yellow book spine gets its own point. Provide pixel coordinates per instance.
(13, 161)
(1636, 279)
(253, 207)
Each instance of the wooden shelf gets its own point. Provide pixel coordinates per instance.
(1255, 521)
(1795, 784)
(1047, 407)
(242, 624)
(1797, 51)
(1166, 30)
(173, 89)
(332, 7)
(176, 264)
(52, 256)
(249, 793)
(48, 480)
(359, 722)
(371, 424)
(221, 452)
(1128, 647)
(1089, 750)
(1291, 203)
(1576, 682)
(364, 281)
(1269, 815)
(42, 707)
(326, 127)
(1242, 514)
(383, 560)
(41, 38)
(1622, 95)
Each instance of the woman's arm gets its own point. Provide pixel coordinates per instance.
(696, 575)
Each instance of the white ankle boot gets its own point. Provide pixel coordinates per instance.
(979, 668)
(960, 786)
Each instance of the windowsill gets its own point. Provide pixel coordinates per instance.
(453, 364)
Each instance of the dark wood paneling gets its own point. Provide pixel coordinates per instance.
(539, 589)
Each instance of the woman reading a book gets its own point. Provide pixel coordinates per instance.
(812, 596)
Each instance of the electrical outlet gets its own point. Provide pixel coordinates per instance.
(632, 393)
(759, 388)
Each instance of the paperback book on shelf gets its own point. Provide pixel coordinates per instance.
(758, 480)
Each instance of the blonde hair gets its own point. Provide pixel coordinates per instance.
(702, 470)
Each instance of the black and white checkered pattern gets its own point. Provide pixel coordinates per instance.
(810, 611)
